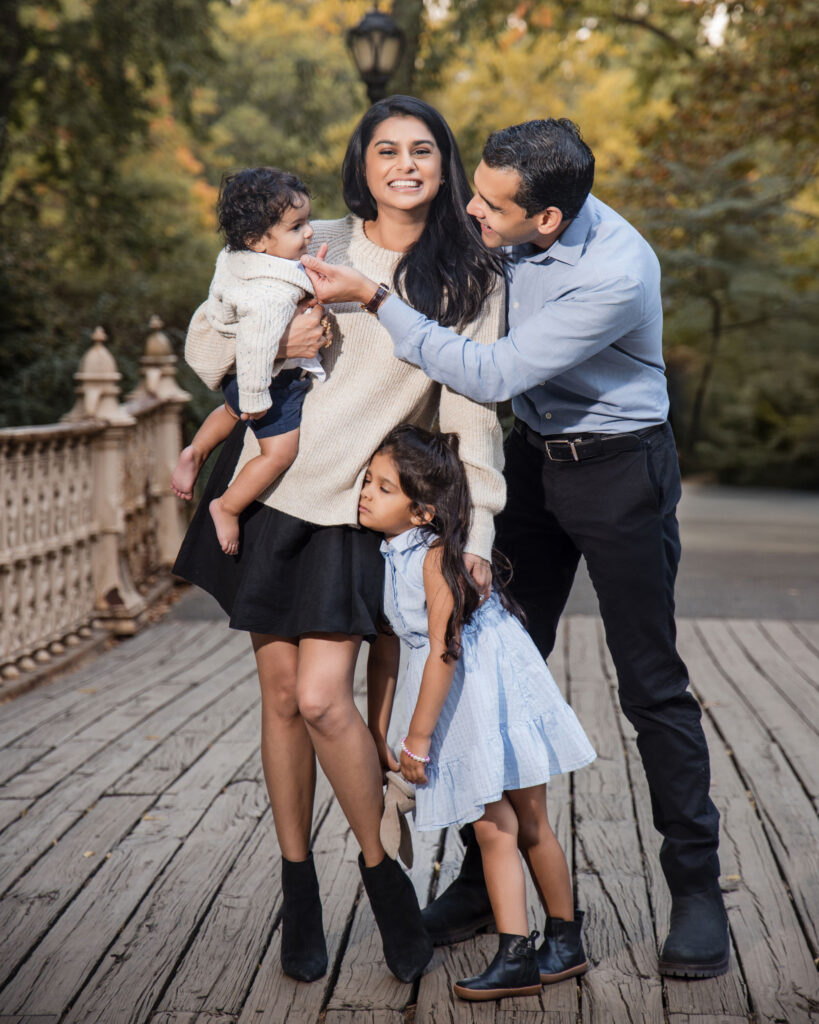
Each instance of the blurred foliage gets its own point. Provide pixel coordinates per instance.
(118, 121)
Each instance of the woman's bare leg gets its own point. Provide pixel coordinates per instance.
(343, 743)
(497, 835)
(288, 758)
(542, 852)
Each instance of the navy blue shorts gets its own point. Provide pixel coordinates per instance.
(287, 391)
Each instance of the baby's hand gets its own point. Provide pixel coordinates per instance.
(253, 415)
(411, 769)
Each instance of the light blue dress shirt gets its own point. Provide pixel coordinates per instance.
(584, 348)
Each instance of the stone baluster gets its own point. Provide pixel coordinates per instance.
(119, 604)
(158, 380)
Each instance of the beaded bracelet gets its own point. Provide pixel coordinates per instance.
(409, 753)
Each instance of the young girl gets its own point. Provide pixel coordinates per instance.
(264, 214)
(489, 726)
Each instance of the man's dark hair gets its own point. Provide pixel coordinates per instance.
(253, 200)
(555, 165)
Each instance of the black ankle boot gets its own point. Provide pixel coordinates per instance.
(561, 954)
(462, 909)
(697, 945)
(513, 972)
(304, 951)
(407, 947)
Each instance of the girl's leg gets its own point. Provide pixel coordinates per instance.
(215, 429)
(542, 852)
(277, 453)
(497, 835)
(343, 743)
(288, 759)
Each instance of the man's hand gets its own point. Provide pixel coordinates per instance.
(481, 572)
(333, 283)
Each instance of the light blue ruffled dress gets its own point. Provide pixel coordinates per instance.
(504, 725)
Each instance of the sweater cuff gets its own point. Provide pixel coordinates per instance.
(482, 534)
(255, 401)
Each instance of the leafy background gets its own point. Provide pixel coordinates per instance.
(118, 119)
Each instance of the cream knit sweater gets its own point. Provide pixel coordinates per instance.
(251, 300)
(367, 392)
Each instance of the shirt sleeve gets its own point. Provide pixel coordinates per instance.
(565, 332)
(481, 438)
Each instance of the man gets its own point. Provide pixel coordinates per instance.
(591, 470)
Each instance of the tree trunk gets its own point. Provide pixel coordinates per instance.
(695, 423)
(409, 16)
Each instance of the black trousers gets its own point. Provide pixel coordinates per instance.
(619, 512)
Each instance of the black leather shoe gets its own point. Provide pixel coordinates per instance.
(697, 945)
(407, 948)
(561, 954)
(463, 909)
(304, 951)
(513, 972)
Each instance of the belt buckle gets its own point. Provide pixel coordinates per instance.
(572, 449)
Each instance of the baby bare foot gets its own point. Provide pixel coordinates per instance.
(227, 527)
(184, 476)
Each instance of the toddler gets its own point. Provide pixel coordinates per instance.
(264, 214)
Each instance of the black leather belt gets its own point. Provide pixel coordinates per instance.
(577, 447)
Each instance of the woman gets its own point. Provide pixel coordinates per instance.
(307, 582)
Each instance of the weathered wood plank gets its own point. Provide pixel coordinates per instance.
(779, 971)
(14, 760)
(712, 997)
(359, 1016)
(785, 726)
(787, 813)
(130, 980)
(112, 672)
(809, 631)
(10, 810)
(219, 968)
(276, 997)
(27, 910)
(78, 941)
(623, 984)
(795, 647)
(49, 817)
(780, 671)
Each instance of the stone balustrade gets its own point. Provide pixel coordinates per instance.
(88, 524)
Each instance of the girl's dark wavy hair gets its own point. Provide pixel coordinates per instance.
(448, 272)
(431, 473)
(253, 200)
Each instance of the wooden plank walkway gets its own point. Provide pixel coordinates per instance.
(139, 867)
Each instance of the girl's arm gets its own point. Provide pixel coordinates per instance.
(438, 674)
(382, 673)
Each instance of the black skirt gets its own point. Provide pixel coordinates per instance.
(290, 577)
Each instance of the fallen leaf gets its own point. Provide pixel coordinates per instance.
(88, 853)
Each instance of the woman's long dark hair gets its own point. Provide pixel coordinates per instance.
(448, 273)
(431, 473)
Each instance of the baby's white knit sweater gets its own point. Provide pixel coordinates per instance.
(368, 392)
(251, 300)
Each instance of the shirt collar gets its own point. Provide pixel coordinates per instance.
(411, 538)
(568, 248)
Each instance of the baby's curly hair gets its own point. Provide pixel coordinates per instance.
(253, 200)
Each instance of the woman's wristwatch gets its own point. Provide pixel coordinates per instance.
(381, 292)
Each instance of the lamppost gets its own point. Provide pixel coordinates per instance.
(376, 44)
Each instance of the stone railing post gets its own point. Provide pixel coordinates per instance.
(119, 605)
(158, 380)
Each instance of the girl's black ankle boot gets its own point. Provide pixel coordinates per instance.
(407, 947)
(304, 951)
(513, 972)
(562, 955)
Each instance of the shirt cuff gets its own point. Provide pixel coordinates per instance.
(403, 322)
